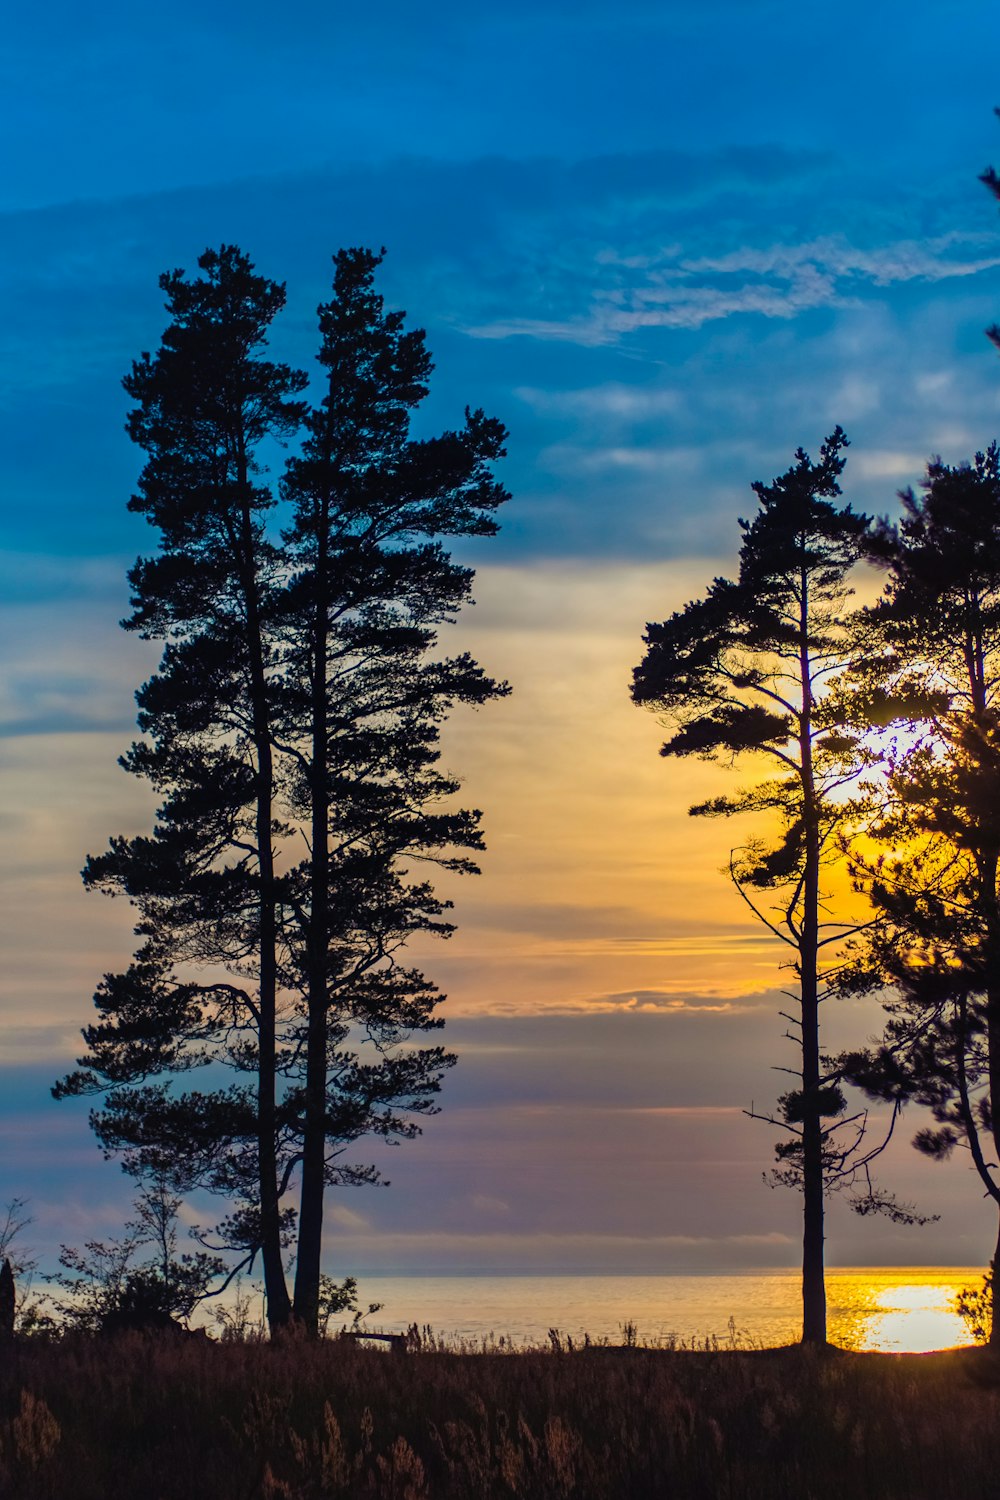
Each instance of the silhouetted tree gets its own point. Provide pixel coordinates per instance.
(936, 947)
(298, 695)
(363, 700)
(204, 884)
(742, 672)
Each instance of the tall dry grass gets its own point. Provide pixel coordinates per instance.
(161, 1421)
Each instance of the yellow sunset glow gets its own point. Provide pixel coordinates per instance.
(596, 879)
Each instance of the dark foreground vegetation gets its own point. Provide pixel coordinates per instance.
(189, 1418)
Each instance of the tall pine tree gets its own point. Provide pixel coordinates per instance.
(741, 673)
(205, 977)
(365, 696)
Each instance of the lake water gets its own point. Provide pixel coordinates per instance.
(902, 1309)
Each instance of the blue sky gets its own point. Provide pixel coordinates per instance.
(121, 99)
(666, 244)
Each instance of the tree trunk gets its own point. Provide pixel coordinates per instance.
(813, 1275)
(993, 1045)
(310, 1240)
(994, 1338)
(278, 1304)
(813, 1249)
(988, 865)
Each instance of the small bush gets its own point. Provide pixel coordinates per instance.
(974, 1306)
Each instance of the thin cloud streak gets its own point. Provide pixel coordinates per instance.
(678, 291)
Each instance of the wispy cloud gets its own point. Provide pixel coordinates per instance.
(635, 1002)
(654, 1002)
(887, 463)
(63, 672)
(566, 1253)
(613, 400)
(906, 260)
(674, 289)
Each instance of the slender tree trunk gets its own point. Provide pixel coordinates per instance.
(813, 1275)
(310, 1241)
(993, 1042)
(278, 1304)
(813, 1250)
(993, 1049)
(971, 1124)
(989, 862)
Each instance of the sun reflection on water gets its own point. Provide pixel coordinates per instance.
(893, 1312)
(893, 1309)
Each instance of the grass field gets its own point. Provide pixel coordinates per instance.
(164, 1419)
